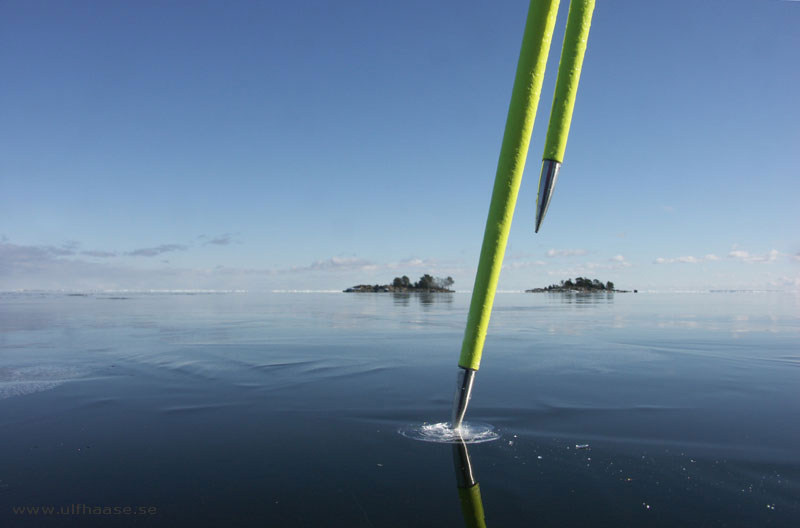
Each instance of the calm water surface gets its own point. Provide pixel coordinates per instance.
(284, 410)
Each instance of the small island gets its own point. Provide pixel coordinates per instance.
(425, 284)
(580, 285)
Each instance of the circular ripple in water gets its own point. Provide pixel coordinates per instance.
(469, 432)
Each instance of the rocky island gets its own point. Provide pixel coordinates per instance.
(580, 285)
(425, 284)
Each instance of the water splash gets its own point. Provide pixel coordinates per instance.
(443, 433)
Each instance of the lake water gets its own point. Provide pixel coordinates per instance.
(283, 409)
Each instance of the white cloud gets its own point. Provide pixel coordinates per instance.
(222, 240)
(745, 256)
(734, 254)
(686, 259)
(348, 264)
(566, 252)
(523, 264)
(619, 261)
(43, 267)
(615, 263)
(337, 264)
(14, 253)
(412, 263)
(574, 271)
(55, 268)
(225, 239)
(791, 283)
(158, 250)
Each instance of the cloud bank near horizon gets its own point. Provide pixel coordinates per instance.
(47, 267)
(50, 267)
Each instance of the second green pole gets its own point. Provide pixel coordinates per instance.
(513, 153)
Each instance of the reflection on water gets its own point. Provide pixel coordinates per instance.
(425, 299)
(689, 402)
(469, 492)
(576, 297)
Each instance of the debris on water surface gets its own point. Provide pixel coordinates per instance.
(581, 446)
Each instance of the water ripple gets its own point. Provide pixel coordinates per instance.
(443, 433)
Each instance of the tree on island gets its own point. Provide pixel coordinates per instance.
(578, 284)
(424, 282)
(427, 283)
(445, 283)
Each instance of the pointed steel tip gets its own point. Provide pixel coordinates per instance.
(547, 184)
(464, 382)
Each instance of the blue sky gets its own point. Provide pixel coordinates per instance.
(315, 145)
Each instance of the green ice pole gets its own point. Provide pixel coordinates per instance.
(516, 138)
(472, 506)
(514, 150)
(569, 74)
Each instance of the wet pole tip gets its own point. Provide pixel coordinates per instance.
(547, 184)
(464, 382)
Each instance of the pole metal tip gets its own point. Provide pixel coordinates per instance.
(547, 184)
(464, 382)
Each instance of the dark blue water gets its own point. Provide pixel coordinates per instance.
(284, 410)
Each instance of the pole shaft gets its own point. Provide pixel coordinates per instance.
(569, 74)
(516, 139)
